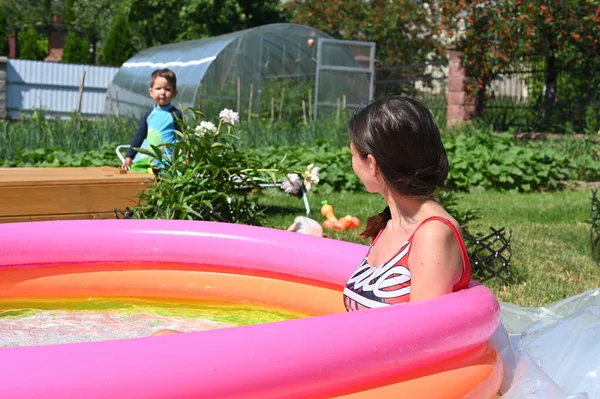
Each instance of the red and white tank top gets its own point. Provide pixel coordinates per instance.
(389, 284)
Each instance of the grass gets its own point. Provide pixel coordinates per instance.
(550, 243)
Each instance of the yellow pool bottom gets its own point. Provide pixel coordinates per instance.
(233, 314)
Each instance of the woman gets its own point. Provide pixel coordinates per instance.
(417, 250)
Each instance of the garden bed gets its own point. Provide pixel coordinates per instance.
(35, 194)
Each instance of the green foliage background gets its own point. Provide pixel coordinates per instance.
(77, 49)
(30, 45)
(480, 160)
(3, 33)
(117, 46)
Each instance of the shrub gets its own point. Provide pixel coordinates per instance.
(77, 49)
(118, 47)
(206, 178)
(29, 49)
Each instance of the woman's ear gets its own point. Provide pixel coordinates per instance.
(372, 165)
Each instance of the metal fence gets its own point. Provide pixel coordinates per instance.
(58, 89)
(427, 83)
(517, 98)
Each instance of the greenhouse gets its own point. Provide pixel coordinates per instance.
(272, 71)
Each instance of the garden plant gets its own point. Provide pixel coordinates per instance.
(207, 177)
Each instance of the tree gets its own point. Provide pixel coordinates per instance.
(29, 48)
(69, 12)
(565, 32)
(227, 16)
(19, 12)
(117, 46)
(3, 34)
(77, 49)
(404, 30)
(157, 22)
(94, 17)
(493, 35)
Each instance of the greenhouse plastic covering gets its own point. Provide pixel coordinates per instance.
(550, 352)
(210, 71)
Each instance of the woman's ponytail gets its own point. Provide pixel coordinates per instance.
(376, 223)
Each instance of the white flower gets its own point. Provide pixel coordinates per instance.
(291, 184)
(229, 116)
(204, 127)
(311, 176)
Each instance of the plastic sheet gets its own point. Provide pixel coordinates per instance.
(62, 327)
(551, 352)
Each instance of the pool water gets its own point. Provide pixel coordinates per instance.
(56, 321)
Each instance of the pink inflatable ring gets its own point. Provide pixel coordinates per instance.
(428, 349)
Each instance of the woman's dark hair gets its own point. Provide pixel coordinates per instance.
(401, 135)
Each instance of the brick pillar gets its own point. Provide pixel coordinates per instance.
(3, 65)
(12, 45)
(461, 105)
(56, 40)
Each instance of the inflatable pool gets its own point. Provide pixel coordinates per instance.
(430, 349)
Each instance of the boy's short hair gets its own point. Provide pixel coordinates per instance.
(167, 74)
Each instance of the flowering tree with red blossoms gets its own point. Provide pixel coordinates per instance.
(494, 35)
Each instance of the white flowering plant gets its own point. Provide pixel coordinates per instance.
(301, 182)
(207, 177)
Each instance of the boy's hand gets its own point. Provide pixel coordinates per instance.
(126, 164)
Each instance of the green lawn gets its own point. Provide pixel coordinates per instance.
(550, 244)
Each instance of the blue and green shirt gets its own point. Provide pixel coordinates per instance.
(156, 128)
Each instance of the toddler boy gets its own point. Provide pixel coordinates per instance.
(159, 124)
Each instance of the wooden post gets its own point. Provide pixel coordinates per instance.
(250, 102)
(109, 94)
(199, 98)
(239, 94)
(283, 61)
(81, 84)
(117, 102)
(344, 101)
(310, 104)
(80, 101)
(272, 109)
(304, 112)
(337, 117)
(281, 104)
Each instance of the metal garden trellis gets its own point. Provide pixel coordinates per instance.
(490, 255)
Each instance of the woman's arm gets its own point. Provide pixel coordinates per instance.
(435, 261)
